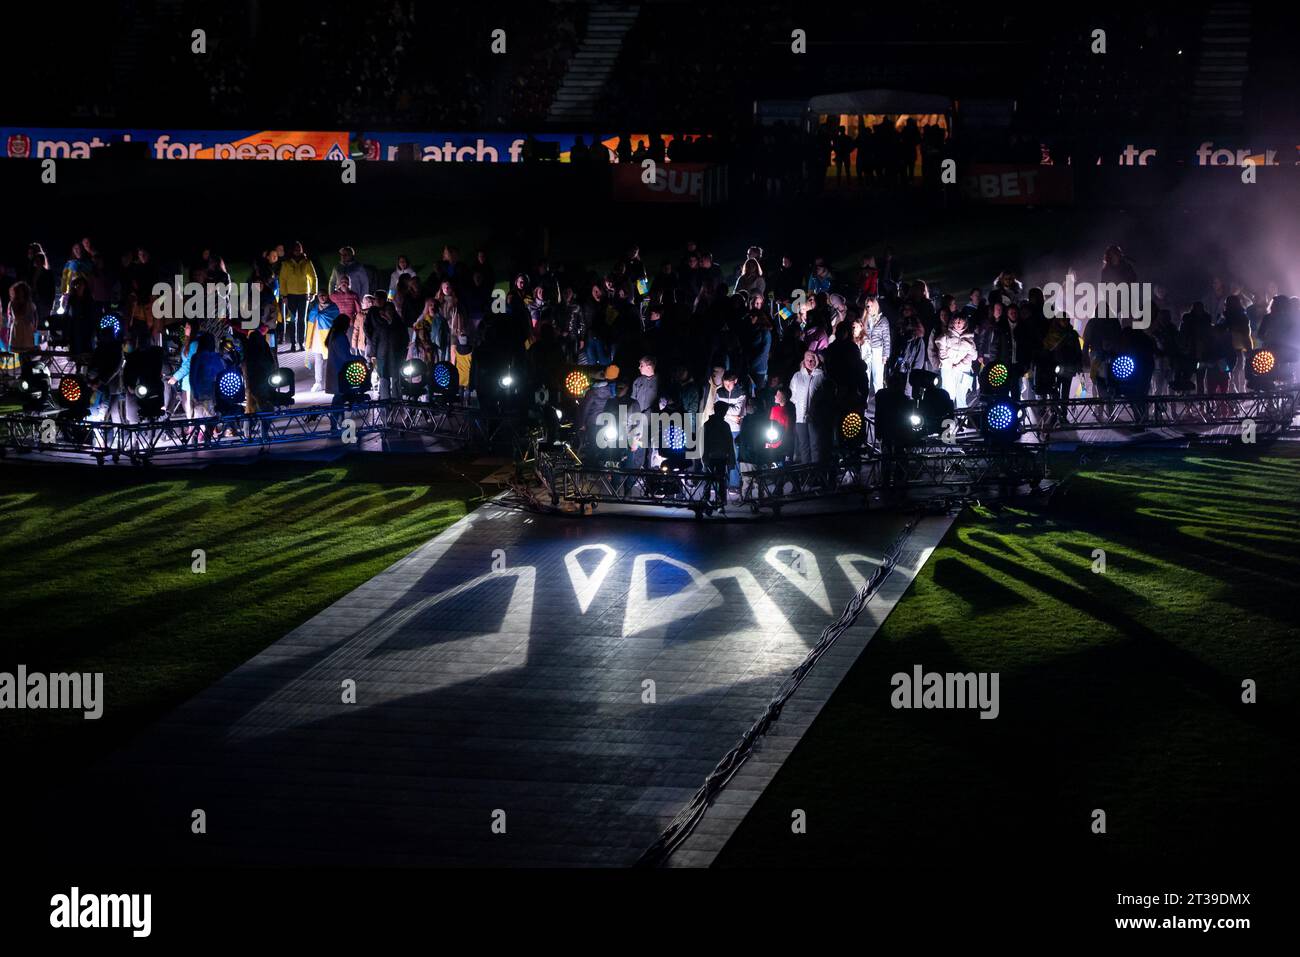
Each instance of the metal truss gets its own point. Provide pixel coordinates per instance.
(701, 492)
(473, 427)
(1270, 411)
(966, 466)
(774, 487)
(140, 442)
(961, 467)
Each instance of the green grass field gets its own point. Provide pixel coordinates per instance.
(96, 571)
(1120, 690)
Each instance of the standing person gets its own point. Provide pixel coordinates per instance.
(459, 337)
(719, 447)
(206, 368)
(1237, 323)
(645, 393)
(78, 264)
(915, 353)
(403, 269)
(782, 417)
(758, 348)
(358, 278)
(1060, 361)
(181, 377)
(297, 286)
(751, 279)
(1101, 340)
(320, 320)
(804, 386)
(259, 365)
(44, 285)
(953, 353)
(349, 302)
(80, 316)
(877, 344)
(431, 341)
(21, 319)
(1197, 335)
(736, 397)
(389, 340)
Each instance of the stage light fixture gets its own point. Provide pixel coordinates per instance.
(149, 399)
(34, 387)
(675, 439)
(1000, 420)
(230, 393)
(75, 394)
(997, 375)
(446, 378)
(851, 426)
(354, 380)
(576, 383)
(414, 372)
(1123, 368)
(283, 387)
(111, 322)
(1262, 369)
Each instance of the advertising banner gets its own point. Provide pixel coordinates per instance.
(1007, 184)
(38, 143)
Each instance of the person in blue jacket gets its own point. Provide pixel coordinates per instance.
(206, 367)
(180, 379)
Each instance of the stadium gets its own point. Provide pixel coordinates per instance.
(742, 439)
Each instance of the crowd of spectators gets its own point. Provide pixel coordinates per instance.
(793, 343)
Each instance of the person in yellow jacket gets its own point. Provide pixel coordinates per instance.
(298, 286)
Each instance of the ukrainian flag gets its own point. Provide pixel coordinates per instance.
(319, 323)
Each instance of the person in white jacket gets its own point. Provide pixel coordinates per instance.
(804, 386)
(952, 353)
(403, 269)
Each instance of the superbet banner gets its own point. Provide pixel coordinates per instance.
(1006, 184)
(297, 145)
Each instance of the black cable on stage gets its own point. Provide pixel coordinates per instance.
(690, 816)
